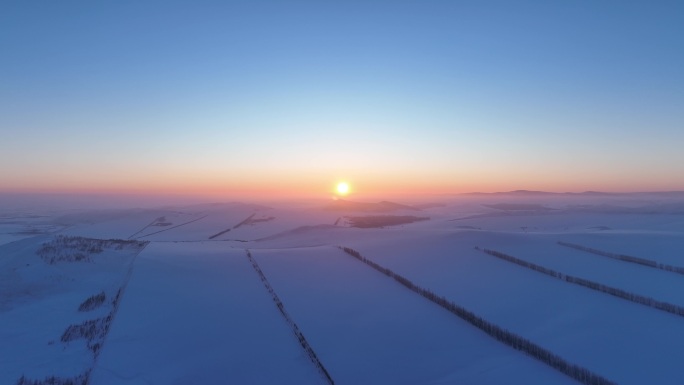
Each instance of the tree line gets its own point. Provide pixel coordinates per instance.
(636, 298)
(502, 335)
(300, 336)
(64, 248)
(92, 302)
(81, 379)
(625, 258)
(93, 331)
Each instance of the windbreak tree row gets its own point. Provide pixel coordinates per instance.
(81, 379)
(92, 331)
(625, 258)
(168, 228)
(298, 333)
(636, 298)
(578, 373)
(63, 248)
(95, 330)
(93, 302)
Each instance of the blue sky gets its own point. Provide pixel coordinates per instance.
(435, 96)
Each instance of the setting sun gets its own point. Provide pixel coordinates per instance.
(342, 188)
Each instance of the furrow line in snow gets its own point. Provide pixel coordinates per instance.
(502, 335)
(636, 298)
(625, 258)
(295, 329)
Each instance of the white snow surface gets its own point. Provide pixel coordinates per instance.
(193, 309)
(367, 329)
(197, 313)
(39, 301)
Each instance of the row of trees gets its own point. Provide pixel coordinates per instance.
(640, 299)
(52, 256)
(117, 297)
(500, 334)
(93, 331)
(372, 221)
(625, 258)
(245, 221)
(529, 265)
(81, 379)
(92, 302)
(64, 248)
(636, 298)
(300, 336)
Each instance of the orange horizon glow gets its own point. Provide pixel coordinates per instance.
(365, 187)
(294, 183)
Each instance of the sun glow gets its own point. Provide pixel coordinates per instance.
(342, 188)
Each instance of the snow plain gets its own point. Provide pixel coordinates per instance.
(193, 308)
(197, 313)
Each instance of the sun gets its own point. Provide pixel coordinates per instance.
(342, 188)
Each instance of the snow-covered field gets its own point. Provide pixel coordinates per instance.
(172, 297)
(197, 313)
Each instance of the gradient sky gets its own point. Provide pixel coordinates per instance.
(291, 96)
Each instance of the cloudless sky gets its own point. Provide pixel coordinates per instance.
(291, 96)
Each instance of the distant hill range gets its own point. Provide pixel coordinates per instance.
(673, 194)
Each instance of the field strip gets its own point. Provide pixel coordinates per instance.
(173, 227)
(636, 298)
(625, 258)
(295, 329)
(502, 335)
